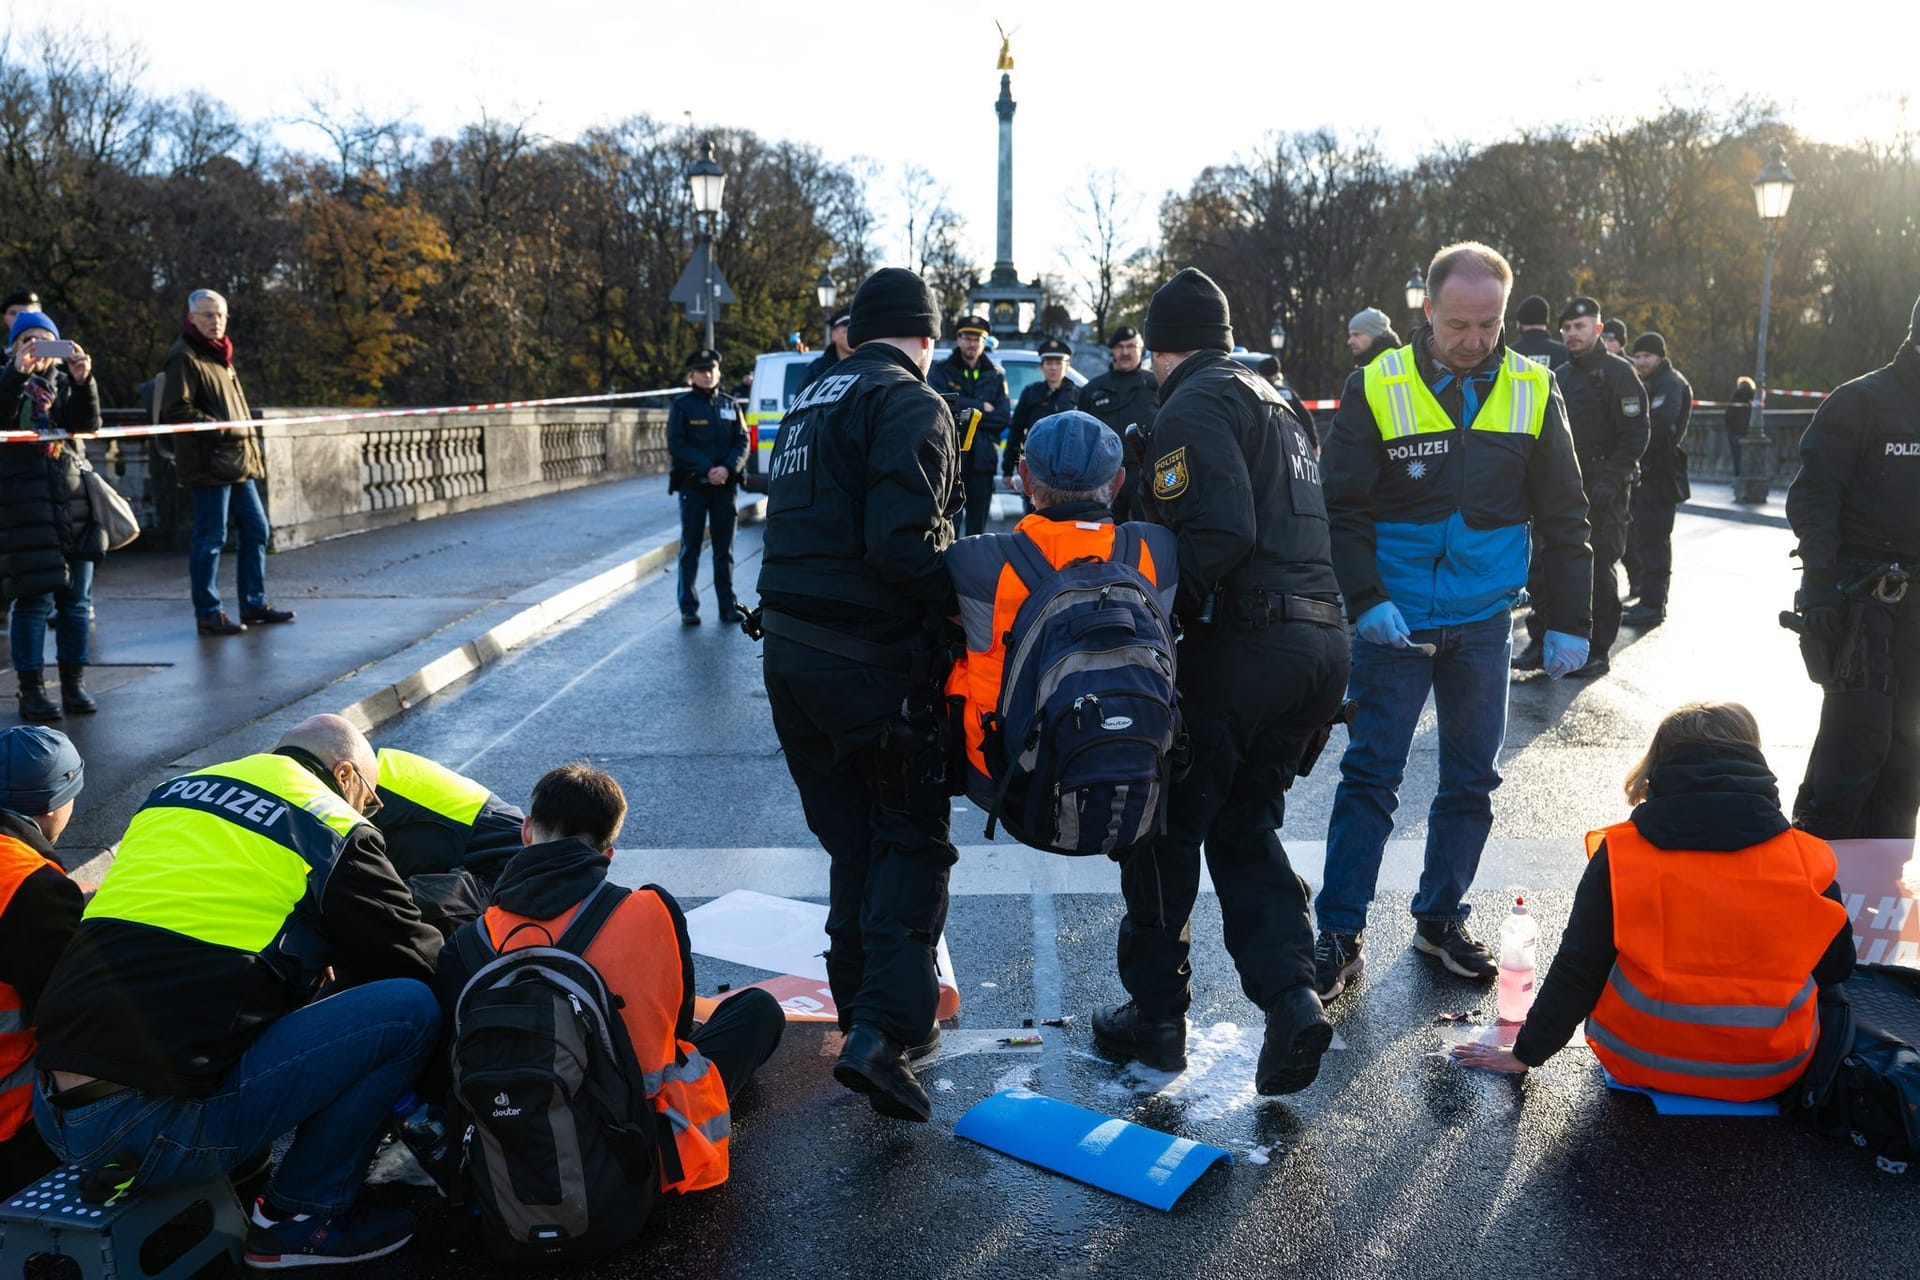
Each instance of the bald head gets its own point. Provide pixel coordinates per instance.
(332, 740)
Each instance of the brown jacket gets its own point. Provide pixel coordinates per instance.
(195, 387)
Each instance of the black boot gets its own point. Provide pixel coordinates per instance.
(34, 702)
(1298, 1033)
(872, 1064)
(1125, 1032)
(73, 690)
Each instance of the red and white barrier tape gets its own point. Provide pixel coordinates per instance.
(307, 419)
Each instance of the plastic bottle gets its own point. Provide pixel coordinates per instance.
(423, 1128)
(1518, 934)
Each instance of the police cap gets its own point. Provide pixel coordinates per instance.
(972, 324)
(1577, 307)
(841, 317)
(1125, 333)
(1054, 349)
(704, 358)
(1616, 329)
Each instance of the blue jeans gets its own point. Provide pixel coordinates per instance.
(210, 534)
(1468, 680)
(704, 506)
(68, 608)
(330, 1072)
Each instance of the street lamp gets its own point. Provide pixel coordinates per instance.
(824, 291)
(1772, 195)
(707, 180)
(1277, 336)
(1416, 294)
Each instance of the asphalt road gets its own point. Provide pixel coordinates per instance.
(1396, 1162)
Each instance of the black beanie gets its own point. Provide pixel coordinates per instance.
(1533, 310)
(1189, 313)
(1652, 343)
(893, 302)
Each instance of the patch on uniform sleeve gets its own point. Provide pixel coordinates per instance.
(1630, 405)
(1170, 474)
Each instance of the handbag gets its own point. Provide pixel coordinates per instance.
(113, 513)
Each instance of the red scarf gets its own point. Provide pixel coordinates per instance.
(221, 350)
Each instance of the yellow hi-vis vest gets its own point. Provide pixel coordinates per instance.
(430, 785)
(1404, 406)
(225, 855)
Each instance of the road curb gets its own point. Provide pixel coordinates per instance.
(406, 678)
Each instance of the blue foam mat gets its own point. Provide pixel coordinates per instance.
(1115, 1155)
(1686, 1104)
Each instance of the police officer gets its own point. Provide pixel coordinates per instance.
(1054, 393)
(707, 446)
(837, 350)
(1262, 669)
(1613, 335)
(1126, 395)
(1532, 339)
(1607, 410)
(1663, 479)
(436, 821)
(1855, 507)
(863, 485)
(971, 379)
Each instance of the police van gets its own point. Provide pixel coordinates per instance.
(777, 376)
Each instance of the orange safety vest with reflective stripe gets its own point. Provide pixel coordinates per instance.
(975, 677)
(637, 954)
(1712, 993)
(17, 861)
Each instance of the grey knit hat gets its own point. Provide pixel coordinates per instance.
(1373, 322)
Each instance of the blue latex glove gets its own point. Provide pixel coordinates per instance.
(1383, 624)
(1564, 653)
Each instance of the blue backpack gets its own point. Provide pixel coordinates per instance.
(1078, 748)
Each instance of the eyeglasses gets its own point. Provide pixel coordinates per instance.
(374, 803)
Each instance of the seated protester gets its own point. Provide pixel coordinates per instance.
(1700, 931)
(40, 774)
(643, 955)
(1071, 471)
(434, 820)
(180, 1032)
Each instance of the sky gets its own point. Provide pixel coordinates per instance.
(1147, 90)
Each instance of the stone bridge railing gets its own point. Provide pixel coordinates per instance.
(332, 478)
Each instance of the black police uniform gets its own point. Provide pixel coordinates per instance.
(863, 483)
(982, 387)
(706, 429)
(1537, 344)
(1263, 666)
(1036, 402)
(1607, 411)
(1663, 485)
(1123, 400)
(1856, 508)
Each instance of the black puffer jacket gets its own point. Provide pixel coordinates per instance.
(45, 522)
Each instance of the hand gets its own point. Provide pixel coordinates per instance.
(1822, 608)
(716, 475)
(1488, 1057)
(1383, 624)
(79, 364)
(1564, 653)
(1604, 498)
(23, 359)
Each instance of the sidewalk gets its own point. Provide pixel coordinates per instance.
(384, 617)
(1715, 498)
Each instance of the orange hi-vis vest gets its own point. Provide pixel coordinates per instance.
(991, 592)
(637, 954)
(18, 860)
(1712, 993)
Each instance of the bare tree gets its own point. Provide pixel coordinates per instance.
(1100, 211)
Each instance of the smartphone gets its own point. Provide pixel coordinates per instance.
(53, 349)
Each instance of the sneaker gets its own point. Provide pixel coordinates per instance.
(1336, 962)
(302, 1240)
(1449, 942)
(1123, 1031)
(265, 615)
(1531, 658)
(220, 625)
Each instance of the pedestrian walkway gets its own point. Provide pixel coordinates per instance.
(1715, 498)
(167, 693)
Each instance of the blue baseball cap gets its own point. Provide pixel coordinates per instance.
(39, 769)
(1073, 451)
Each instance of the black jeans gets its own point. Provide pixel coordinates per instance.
(703, 506)
(742, 1033)
(1251, 699)
(1863, 778)
(887, 887)
(1652, 545)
